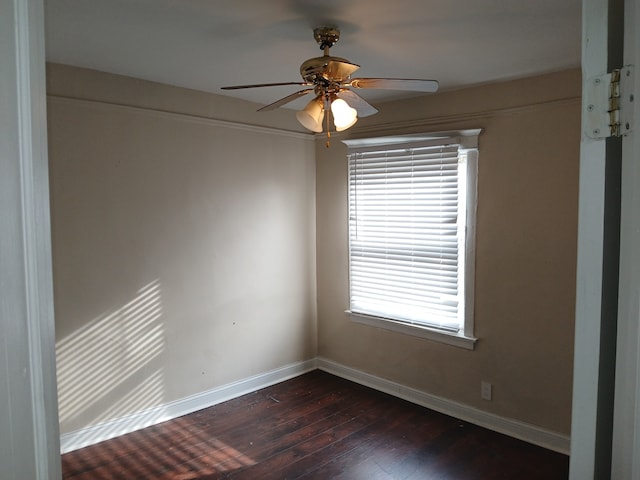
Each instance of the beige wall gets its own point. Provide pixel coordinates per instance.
(183, 248)
(526, 252)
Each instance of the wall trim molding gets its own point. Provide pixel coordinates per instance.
(362, 132)
(130, 423)
(213, 122)
(30, 428)
(423, 125)
(513, 428)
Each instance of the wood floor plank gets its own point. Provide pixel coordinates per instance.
(391, 444)
(377, 427)
(360, 412)
(315, 426)
(260, 443)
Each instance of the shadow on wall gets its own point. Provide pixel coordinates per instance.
(111, 366)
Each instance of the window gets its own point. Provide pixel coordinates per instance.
(411, 234)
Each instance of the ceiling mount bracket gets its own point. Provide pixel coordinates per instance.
(326, 37)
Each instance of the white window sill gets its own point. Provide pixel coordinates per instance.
(451, 338)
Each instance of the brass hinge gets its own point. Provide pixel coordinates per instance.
(608, 104)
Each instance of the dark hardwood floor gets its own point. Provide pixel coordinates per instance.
(316, 426)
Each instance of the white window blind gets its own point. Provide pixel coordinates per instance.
(407, 212)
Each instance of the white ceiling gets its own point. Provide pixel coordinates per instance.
(207, 44)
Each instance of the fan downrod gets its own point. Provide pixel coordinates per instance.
(326, 37)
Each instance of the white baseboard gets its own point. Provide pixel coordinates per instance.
(514, 428)
(113, 428)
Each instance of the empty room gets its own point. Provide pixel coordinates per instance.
(302, 239)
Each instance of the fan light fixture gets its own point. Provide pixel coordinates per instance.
(311, 116)
(330, 80)
(343, 115)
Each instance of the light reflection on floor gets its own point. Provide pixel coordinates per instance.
(178, 449)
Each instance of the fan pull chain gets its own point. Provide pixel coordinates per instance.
(326, 121)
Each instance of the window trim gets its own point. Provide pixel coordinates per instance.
(468, 141)
(457, 339)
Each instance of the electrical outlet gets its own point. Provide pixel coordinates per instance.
(485, 390)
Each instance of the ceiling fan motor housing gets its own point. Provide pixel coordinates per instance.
(325, 70)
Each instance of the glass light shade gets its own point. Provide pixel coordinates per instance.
(311, 116)
(343, 115)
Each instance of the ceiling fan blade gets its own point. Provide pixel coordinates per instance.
(412, 84)
(340, 69)
(363, 108)
(258, 85)
(285, 100)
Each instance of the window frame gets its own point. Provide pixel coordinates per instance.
(468, 144)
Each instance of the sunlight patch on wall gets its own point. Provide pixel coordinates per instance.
(145, 395)
(109, 367)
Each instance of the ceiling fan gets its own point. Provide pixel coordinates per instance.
(329, 79)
